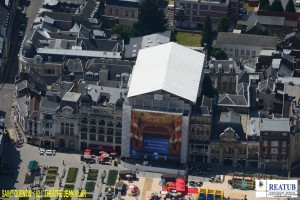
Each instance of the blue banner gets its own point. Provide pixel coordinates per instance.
(158, 145)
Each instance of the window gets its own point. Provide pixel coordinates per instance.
(71, 129)
(274, 151)
(93, 129)
(283, 151)
(283, 143)
(236, 52)
(126, 13)
(242, 52)
(83, 136)
(62, 128)
(132, 13)
(248, 52)
(93, 137)
(265, 143)
(194, 6)
(118, 140)
(225, 49)
(119, 125)
(116, 12)
(110, 11)
(102, 122)
(253, 54)
(84, 120)
(101, 138)
(110, 123)
(48, 125)
(92, 121)
(101, 130)
(284, 134)
(110, 139)
(67, 128)
(274, 144)
(273, 157)
(231, 50)
(194, 12)
(265, 150)
(110, 131)
(47, 116)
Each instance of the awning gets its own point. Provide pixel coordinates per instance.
(180, 184)
(100, 147)
(33, 165)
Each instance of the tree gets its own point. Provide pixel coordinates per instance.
(238, 27)
(277, 6)
(219, 54)
(207, 37)
(151, 18)
(290, 7)
(125, 32)
(208, 88)
(264, 4)
(257, 31)
(223, 24)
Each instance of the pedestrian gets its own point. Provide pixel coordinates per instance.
(63, 162)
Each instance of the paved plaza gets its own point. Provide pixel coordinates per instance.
(148, 182)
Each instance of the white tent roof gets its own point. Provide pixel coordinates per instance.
(169, 67)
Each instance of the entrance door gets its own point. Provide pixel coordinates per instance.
(228, 161)
(62, 143)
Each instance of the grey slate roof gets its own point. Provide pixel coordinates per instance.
(230, 116)
(59, 16)
(200, 110)
(100, 45)
(246, 39)
(138, 43)
(219, 128)
(277, 125)
(226, 64)
(124, 3)
(248, 20)
(266, 85)
(232, 100)
(89, 8)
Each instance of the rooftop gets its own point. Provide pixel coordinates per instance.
(253, 127)
(247, 39)
(124, 3)
(71, 96)
(230, 116)
(112, 94)
(161, 68)
(275, 124)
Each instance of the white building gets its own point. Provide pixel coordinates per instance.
(163, 87)
(244, 46)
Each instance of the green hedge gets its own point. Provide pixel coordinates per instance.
(88, 196)
(72, 175)
(69, 187)
(29, 179)
(92, 175)
(112, 177)
(90, 186)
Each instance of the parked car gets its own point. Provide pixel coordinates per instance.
(49, 153)
(42, 152)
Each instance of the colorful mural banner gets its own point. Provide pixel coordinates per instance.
(156, 134)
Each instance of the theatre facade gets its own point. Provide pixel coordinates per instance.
(164, 85)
